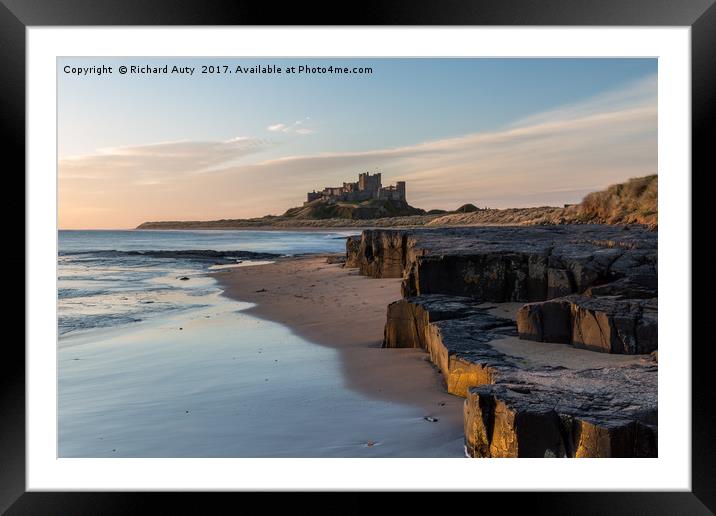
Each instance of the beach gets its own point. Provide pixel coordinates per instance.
(338, 308)
(167, 350)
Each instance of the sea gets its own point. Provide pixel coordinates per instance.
(115, 278)
(153, 361)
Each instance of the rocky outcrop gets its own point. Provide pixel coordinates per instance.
(519, 401)
(501, 264)
(596, 323)
(462, 351)
(336, 259)
(594, 287)
(379, 253)
(456, 334)
(408, 319)
(587, 413)
(371, 209)
(352, 248)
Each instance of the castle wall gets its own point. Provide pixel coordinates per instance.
(395, 193)
(358, 196)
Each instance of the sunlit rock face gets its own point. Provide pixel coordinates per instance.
(593, 288)
(598, 413)
(605, 324)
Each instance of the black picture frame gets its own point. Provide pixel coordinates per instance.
(17, 15)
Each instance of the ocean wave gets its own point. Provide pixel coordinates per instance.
(72, 293)
(71, 323)
(187, 254)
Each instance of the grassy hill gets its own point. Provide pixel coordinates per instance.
(372, 209)
(633, 202)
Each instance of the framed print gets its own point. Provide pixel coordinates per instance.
(418, 250)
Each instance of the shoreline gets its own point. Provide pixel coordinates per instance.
(240, 387)
(338, 308)
(217, 380)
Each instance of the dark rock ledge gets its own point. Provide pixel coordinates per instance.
(593, 287)
(605, 324)
(595, 413)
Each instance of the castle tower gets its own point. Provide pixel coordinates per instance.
(369, 183)
(400, 187)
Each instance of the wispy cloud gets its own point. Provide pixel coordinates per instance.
(638, 93)
(298, 127)
(548, 158)
(150, 163)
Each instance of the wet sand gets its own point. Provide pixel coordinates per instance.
(336, 307)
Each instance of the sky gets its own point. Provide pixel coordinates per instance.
(497, 133)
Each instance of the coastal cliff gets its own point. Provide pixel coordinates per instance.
(546, 331)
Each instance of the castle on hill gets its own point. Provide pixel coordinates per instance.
(366, 188)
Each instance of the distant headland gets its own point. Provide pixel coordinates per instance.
(367, 203)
